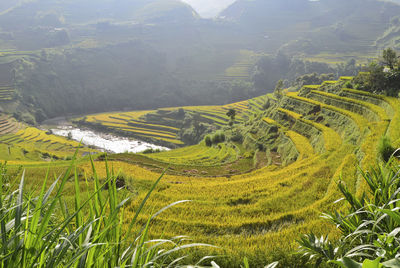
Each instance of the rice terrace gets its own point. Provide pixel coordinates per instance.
(268, 133)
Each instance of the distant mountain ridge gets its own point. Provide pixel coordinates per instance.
(155, 50)
(325, 25)
(77, 11)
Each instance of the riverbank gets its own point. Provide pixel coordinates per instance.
(103, 141)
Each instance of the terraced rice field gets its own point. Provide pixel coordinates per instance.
(261, 213)
(7, 93)
(131, 124)
(163, 126)
(8, 125)
(246, 209)
(199, 155)
(32, 144)
(241, 70)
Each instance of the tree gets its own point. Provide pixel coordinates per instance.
(389, 57)
(376, 78)
(278, 89)
(231, 113)
(208, 141)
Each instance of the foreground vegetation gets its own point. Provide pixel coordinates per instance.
(43, 229)
(369, 225)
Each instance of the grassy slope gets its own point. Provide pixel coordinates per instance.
(258, 214)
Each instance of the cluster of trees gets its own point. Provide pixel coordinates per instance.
(297, 72)
(216, 138)
(382, 76)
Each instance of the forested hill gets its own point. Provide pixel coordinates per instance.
(75, 11)
(314, 26)
(120, 54)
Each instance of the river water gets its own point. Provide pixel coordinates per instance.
(106, 142)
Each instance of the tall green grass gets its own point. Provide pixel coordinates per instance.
(43, 231)
(369, 225)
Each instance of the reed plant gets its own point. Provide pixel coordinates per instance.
(369, 226)
(43, 231)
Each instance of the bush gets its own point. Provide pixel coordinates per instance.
(25, 117)
(248, 155)
(208, 141)
(385, 148)
(348, 84)
(218, 137)
(222, 137)
(151, 151)
(237, 137)
(369, 228)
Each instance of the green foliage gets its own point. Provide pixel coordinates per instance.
(42, 231)
(298, 72)
(389, 58)
(208, 141)
(151, 151)
(385, 148)
(231, 113)
(380, 79)
(348, 85)
(316, 249)
(248, 154)
(25, 117)
(369, 228)
(278, 89)
(218, 137)
(346, 262)
(313, 79)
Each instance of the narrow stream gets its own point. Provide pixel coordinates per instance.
(107, 142)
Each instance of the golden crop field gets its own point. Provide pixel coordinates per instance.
(263, 212)
(34, 144)
(162, 125)
(245, 208)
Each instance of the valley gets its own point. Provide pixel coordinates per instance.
(141, 134)
(266, 180)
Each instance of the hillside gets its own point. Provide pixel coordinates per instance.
(317, 26)
(257, 183)
(110, 52)
(258, 119)
(390, 38)
(300, 146)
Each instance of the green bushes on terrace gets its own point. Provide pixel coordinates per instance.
(216, 138)
(382, 77)
(385, 148)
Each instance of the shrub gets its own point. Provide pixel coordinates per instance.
(151, 151)
(369, 228)
(218, 137)
(385, 148)
(237, 137)
(248, 154)
(222, 137)
(208, 141)
(26, 117)
(215, 138)
(348, 84)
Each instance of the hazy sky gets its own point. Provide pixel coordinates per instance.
(209, 8)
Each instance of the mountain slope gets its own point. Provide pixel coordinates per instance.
(333, 25)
